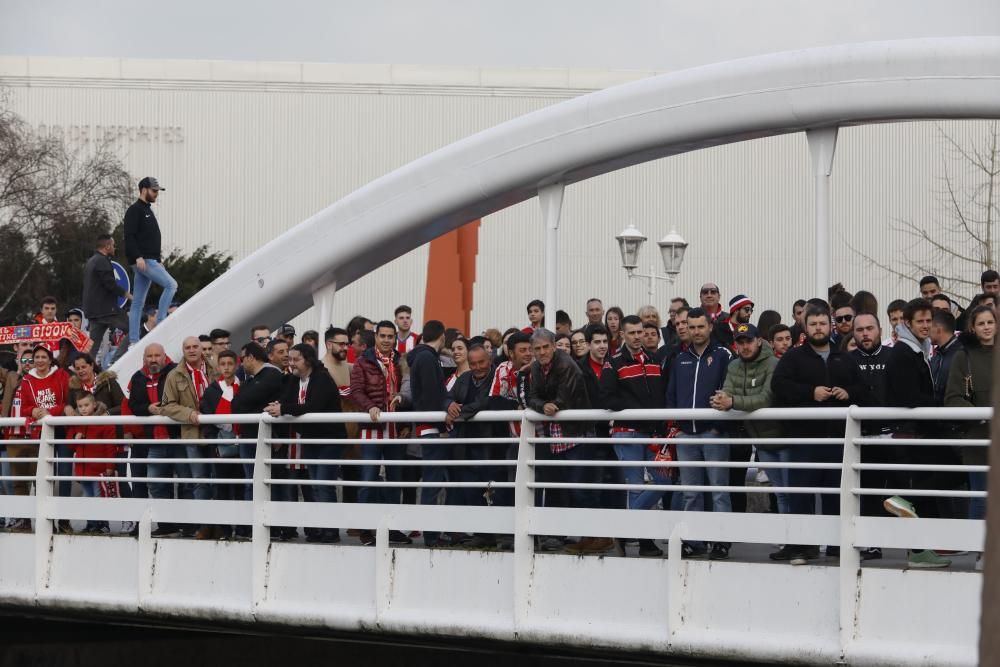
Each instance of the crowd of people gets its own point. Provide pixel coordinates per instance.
(839, 351)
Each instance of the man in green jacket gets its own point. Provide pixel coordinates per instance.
(748, 388)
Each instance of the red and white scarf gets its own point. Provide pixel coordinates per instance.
(199, 379)
(295, 449)
(390, 375)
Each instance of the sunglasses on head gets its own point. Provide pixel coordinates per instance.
(843, 318)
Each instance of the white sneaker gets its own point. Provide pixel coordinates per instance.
(127, 527)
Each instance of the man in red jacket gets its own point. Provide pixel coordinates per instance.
(376, 386)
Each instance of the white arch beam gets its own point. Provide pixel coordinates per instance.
(585, 137)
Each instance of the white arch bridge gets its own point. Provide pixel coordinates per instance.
(814, 91)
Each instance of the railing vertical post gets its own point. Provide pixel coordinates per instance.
(43, 510)
(850, 508)
(261, 534)
(524, 544)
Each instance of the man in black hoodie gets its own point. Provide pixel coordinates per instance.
(429, 395)
(143, 252)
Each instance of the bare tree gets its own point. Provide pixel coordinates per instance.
(53, 203)
(958, 249)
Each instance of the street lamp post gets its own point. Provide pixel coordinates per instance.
(672, 248)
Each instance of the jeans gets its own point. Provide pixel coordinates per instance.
(694, 500)
(324, 493)
(92, 490)
(778, 476)
(638, 451)
(977, 506)
(200, 471)
(99, 327)
(166, 470)
(155, 273)
(378, 451)
(435, 448)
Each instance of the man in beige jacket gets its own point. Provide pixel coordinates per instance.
(182, 393)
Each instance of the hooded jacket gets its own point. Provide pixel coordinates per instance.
(910, 383)
(50, 393)
(107, 449)
(693, 380)
(749, 383)
(970, 384)
(427, 384)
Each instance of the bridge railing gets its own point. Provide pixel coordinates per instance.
(520, 500)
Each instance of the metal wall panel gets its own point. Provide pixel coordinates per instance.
(250, 161)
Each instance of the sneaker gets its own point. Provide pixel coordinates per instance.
(399, 537)
(784, 553)
(20, 526)
(802, 555)
(950, 552)
(591, 546)
(367, 538)
(871, 553)
(901, 507)
(926, 559)
(165, 531)
(128, 527)
(103, 530)
(832, 552)
(688, 550)
(719, 551)
(648, 549)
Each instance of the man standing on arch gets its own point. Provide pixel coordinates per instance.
(143, 251)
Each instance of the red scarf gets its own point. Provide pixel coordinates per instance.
(152, 391)
(199, 379)
(390, 375)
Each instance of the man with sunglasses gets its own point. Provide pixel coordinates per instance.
(710, 303)
(843, 323)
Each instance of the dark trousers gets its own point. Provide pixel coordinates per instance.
(805, 503)
(99, 327)
(435, 448)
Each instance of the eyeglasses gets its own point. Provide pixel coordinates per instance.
(710, 290)
(843, 318)
(262, 339)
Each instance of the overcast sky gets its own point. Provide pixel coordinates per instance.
(626, 34)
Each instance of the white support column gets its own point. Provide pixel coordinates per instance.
(524, 543)
(323, 303)
(822, 146)
(551, 198)
(261, 533)
(43, 510)
(850, 558)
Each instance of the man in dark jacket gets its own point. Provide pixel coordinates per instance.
(145, 396)
(311, 390)
(632, 379)
(429, 395)
(143, 252)
(101, 293)
(696, 374)
(816, 375)
(557, 384)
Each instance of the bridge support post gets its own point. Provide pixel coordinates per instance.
(261, 534)
(850, 559)
(323, 303)
(524, 543)
(551, 198)
(822, 146)
(44, 469)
